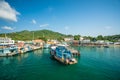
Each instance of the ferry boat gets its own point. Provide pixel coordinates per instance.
(63, 55)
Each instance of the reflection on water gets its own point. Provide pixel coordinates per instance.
(4, 61)
(46, 50)
(38, 52)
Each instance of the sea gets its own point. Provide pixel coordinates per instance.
(94, 63)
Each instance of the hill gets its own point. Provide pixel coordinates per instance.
(30, 35)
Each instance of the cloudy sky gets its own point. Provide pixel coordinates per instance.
(84, 17)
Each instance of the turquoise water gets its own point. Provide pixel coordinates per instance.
(93, 64)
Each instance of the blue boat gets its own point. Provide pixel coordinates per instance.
(62, 54)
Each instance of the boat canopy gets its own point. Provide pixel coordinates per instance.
(62, 51)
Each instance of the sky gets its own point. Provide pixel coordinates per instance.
(83, 17)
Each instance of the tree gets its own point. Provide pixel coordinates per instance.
(93, 39)
(43, 38)
(60, 38)
(100, 37)
(77, 37)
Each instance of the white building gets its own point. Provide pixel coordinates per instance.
(81, 38)
(69, 39)
(6, 41)
(100, 41)
(86, 41)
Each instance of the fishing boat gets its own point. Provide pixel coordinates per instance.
(63, 55)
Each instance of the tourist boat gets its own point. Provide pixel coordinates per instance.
(9, 51)
(62, 54)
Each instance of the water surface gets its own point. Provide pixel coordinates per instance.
(93, 64)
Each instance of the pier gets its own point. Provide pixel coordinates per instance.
(73, 51)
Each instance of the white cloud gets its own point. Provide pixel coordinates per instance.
(34, 21)
(66, 27)
(7, 12)
(44, 25)
(7, 28)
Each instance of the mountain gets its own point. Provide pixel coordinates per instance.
(30, 35)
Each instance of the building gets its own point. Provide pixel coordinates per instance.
(117, 43)
(81, 38)
(100, 41)
(86, 41)
(68, 39)
(6, 41)
(52, 42)
(38, 42)
(20, 43)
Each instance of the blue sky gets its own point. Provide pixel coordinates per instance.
(84, 17)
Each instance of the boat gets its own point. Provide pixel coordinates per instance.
(9, 51)
(106, 46)
(46, 46)
(63, 55)
(72, 50)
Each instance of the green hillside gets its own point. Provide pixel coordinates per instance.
(39, 34)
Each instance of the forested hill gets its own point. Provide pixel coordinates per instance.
(48, 34)
(30, 35)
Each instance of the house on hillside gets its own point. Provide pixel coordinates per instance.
(38, 42)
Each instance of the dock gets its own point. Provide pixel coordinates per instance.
(74, 51)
